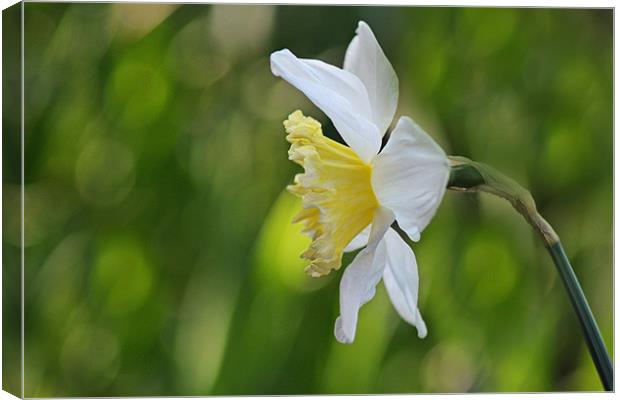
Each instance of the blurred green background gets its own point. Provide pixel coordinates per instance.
(160, 256)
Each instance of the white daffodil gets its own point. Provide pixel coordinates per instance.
(352, 195)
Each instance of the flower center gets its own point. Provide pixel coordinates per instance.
(336, 191)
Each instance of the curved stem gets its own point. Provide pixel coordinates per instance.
(470, 176)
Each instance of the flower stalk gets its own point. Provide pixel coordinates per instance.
(469, 176)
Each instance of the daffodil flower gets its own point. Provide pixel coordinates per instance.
(352, 195)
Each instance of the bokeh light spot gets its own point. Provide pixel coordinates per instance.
(568, 154)
(123, 277)
(194, 59)
(90, 356)
(240, 30)
(105, 172)
(203, 331)
(138, 91)
(490, 268)
(448, 367)
(280, 245)
(133, 21)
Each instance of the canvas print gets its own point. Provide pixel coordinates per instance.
(205, 200)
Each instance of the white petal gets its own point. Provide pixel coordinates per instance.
(380, 224)
(400, 277)
(410, 176)
(357, 287)
(359, 241)
(338, 93)
(365, 58)
(358, 282)
(420, 325)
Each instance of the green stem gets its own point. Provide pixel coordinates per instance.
(594, 340)
(470, 176)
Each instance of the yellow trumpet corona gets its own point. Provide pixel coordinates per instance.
(336, 191)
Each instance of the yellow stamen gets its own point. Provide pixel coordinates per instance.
(338, 200)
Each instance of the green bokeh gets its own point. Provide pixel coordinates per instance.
(160, 258)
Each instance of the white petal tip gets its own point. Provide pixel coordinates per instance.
(280, 52)
(422, 333)
(420, 326)
(413, 233)
(362, 25)
(278, 57)
(341, 336)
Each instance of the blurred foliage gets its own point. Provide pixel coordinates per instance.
(160, 257)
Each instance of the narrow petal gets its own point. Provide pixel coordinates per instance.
(420, 325)
(359, 241)
(410, 176)
(338, 93)
(365, 58)
(400, 278)
(380, 224)
(357, 287)
(358, 282)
